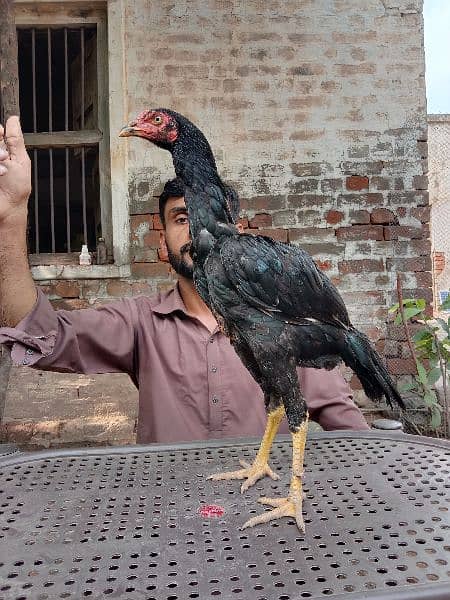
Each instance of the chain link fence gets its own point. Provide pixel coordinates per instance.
(439, 187)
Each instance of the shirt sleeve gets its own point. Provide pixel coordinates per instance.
(100, 340)
(330, 400)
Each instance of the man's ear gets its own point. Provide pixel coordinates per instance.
(163, 252)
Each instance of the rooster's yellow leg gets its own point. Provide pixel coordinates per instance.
(259, 468)
(292, 505)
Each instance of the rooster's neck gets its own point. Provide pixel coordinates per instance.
(205, 192)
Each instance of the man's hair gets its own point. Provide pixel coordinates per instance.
(175, 188)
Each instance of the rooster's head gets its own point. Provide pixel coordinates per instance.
(158, 125)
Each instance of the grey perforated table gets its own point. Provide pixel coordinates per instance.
(128, 523)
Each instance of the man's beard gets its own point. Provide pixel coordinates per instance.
(179, 262)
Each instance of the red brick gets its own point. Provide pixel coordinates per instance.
(401, 366)
(261, 220)
(306, 169)
(157, 224)
(324, 265)
(277, 234)
(138, 220)
(422, 148)
(70, 304)
(303, 234)
(383, 216)
(420, 182)
(263, 203)
(366, 265)
(334, 216)
(357, 183)
(424, 279)
(118, 288)
(243, 222)
(395, 232)
(150, 270)
(360, 232)
(307, 134)
(140, 288)
(67, 289)
(90, 287)
(151, 239)
(421, 263)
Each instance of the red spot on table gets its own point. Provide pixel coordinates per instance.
(211, 511)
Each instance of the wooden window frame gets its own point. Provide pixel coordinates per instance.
(107, 16)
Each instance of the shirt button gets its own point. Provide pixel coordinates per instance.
(215, 399)
(25, 361)
(214, 369)
(211, 340)
(30, 351)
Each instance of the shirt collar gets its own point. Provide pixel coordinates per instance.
(170, 302)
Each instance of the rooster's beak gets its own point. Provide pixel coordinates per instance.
(127, 131)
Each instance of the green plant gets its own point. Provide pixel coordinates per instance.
(430, 349)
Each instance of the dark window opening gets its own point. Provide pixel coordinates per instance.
(58, 93)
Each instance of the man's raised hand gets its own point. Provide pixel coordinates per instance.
(15, 172)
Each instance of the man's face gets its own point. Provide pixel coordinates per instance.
(176, 239)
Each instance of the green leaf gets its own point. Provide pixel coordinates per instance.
(436, 419)
(443, 324)
(394, 308)
(434, 375)
(407, 387)
(422, 335)
(421, 372)
(429, 398)
(421, 304)
(398, 319)
(412, 312)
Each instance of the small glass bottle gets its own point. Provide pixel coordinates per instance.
(85, 257)
(102, 258)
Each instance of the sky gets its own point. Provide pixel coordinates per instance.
(437, 55)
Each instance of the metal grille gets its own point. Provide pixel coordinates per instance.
(125, 523)
(59, 113)
(439, 186)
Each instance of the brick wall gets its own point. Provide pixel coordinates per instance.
(316, 113)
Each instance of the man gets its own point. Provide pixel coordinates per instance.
(192, 385)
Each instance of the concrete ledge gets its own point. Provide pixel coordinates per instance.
(49, 272)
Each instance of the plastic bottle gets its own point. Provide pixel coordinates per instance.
(85, 257)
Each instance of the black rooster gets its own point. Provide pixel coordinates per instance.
(278, 309)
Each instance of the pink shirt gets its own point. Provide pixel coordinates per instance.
(192, 385)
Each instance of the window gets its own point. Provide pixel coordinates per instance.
(67, 115)
(59, 110)
(64, 112)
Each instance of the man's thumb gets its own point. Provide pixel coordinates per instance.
(14, 138)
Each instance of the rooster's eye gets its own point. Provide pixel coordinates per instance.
(157, 120)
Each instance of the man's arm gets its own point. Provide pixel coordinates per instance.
(82, 341)
(17, 289)
(330, 400)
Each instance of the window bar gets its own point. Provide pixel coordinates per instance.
(66, 127)
(50, 128)
(36, 199)
(83, 167)
(35, 162)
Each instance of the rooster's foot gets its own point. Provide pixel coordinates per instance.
(251, 473)
(283, 507)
